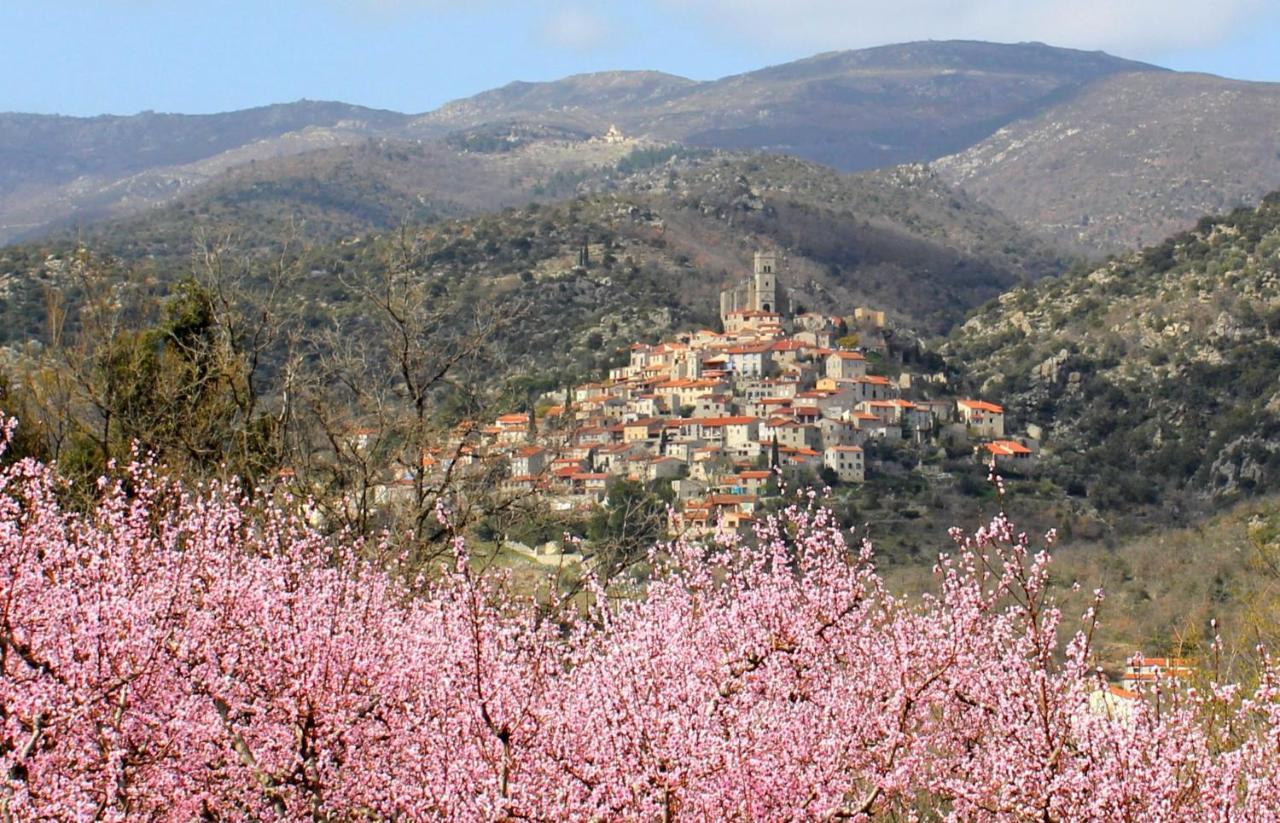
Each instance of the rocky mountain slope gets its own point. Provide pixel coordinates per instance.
(1131, 159)
(1157, 376)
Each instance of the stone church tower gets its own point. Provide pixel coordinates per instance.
(758, 293)
(764, 291)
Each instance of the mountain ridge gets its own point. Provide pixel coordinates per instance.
(954, 103)
(850, 110)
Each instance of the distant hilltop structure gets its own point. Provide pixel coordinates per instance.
(614, 135)
(756, 296)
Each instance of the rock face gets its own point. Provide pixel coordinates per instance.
(1052, 369)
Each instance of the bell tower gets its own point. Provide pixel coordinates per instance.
(766, 281)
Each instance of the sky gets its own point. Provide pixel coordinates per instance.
(88, 57)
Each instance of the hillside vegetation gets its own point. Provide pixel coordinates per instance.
(1157, 375)
(664, 231)
(333, 193)
(1163, 588)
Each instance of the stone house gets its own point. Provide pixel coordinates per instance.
(848, 462)
(798, 435)
(982, 418)
(846, 365)
(528, 461)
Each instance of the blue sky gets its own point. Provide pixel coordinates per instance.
(88, 57)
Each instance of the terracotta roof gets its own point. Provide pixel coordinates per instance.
(729, 499)
(1123, 694)
(716, 422)
(1006, 448)
(981, 405)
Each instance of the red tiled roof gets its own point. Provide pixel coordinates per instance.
(716, 422)
(1123, 694)
(1006, 448)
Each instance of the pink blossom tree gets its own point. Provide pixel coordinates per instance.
(168, 656)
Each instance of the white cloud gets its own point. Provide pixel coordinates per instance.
(575, 29)
(1126, 27)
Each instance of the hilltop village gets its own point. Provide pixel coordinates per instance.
(718, 417)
